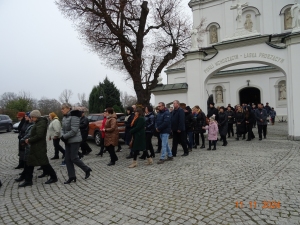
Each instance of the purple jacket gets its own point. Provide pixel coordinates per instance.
(212, 131)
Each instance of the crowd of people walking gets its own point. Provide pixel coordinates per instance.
(181, 123)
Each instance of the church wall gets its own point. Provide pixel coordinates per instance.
(174, 78)
(169, 97)
(265, 82)
(268, 21)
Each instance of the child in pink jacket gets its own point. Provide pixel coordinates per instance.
(212, 132)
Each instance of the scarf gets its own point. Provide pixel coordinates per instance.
(134, 119)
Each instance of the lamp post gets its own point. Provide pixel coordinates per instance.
(101, 102)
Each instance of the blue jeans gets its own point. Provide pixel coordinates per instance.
(165, 148)
(190, 139)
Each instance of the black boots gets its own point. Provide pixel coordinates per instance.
(25, 184)
(70, 180)
(21, 164)
(88, 173)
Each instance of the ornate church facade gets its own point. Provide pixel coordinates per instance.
(248, 54)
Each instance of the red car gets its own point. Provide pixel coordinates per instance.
(95, 123)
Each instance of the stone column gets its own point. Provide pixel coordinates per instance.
(293, 90)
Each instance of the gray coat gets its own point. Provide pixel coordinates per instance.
(26, 136)
(70, 127)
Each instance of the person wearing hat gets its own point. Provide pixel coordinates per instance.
(212, 128)
(223, 124)
(38, 150)
(21, 118)
(26, 147)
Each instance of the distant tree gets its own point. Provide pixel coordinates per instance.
(133, 36)
(127, 100)
(47, 106)
(6, 98)
(82, 101)
(65, 96)
(104, 95)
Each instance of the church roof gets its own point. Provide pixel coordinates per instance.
(169, 87)
(177, 65)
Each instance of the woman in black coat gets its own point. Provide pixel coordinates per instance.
(230, 115)
(128, 136)
(223, 125)
(240, 123)
(249, 120)
(199, 122)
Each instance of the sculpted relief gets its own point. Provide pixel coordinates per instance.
(282, 90)
(248, 25)
(288, 19)
(213, 34)
(219, 95)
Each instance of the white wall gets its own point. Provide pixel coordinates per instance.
(178, 77)
(269, 22)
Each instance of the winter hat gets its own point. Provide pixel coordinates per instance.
(35, 113)
(213, 117)
(53, 115)
(20, 114)
(28, 114)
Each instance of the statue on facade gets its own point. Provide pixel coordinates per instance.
(194, 36)
(213, 34)
(295, 14)
(288, 19)
(219, 96)
(239, 7)
(282, 92)
(248, 25)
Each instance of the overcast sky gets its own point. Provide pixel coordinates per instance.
(40, 53)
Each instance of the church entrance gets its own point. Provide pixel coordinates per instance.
(250, 95)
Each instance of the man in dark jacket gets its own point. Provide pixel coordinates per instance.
(84, 130)
(163, 127)
(212, 110)
(189, 126)
(261, 119)
(178, 129)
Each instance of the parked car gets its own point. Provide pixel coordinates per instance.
(5, 123)
(15, 127)
(95, 123)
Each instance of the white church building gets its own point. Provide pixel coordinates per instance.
(249, 54)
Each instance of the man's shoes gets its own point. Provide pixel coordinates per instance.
(190, 149)
(25, 184)
(202, 146)
(185, 154)
(161, 161)
(208, 149)
(63, 163)
(100, 154)
(214, 149)
(50, 181)
(119, 150)
(20, 179)
(88, 151)
(88, 173)
(111, 164)
(169, 158)
(55, 157)
(43, 175)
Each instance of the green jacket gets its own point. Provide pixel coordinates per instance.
(38, 145)
(138, 133)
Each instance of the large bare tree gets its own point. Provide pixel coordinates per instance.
(135, 36)
(65, 96)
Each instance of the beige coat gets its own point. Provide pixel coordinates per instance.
(111, 131)
(54, 129)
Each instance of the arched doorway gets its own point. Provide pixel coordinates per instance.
(250, 95)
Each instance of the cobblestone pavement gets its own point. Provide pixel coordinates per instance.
(202, 188)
